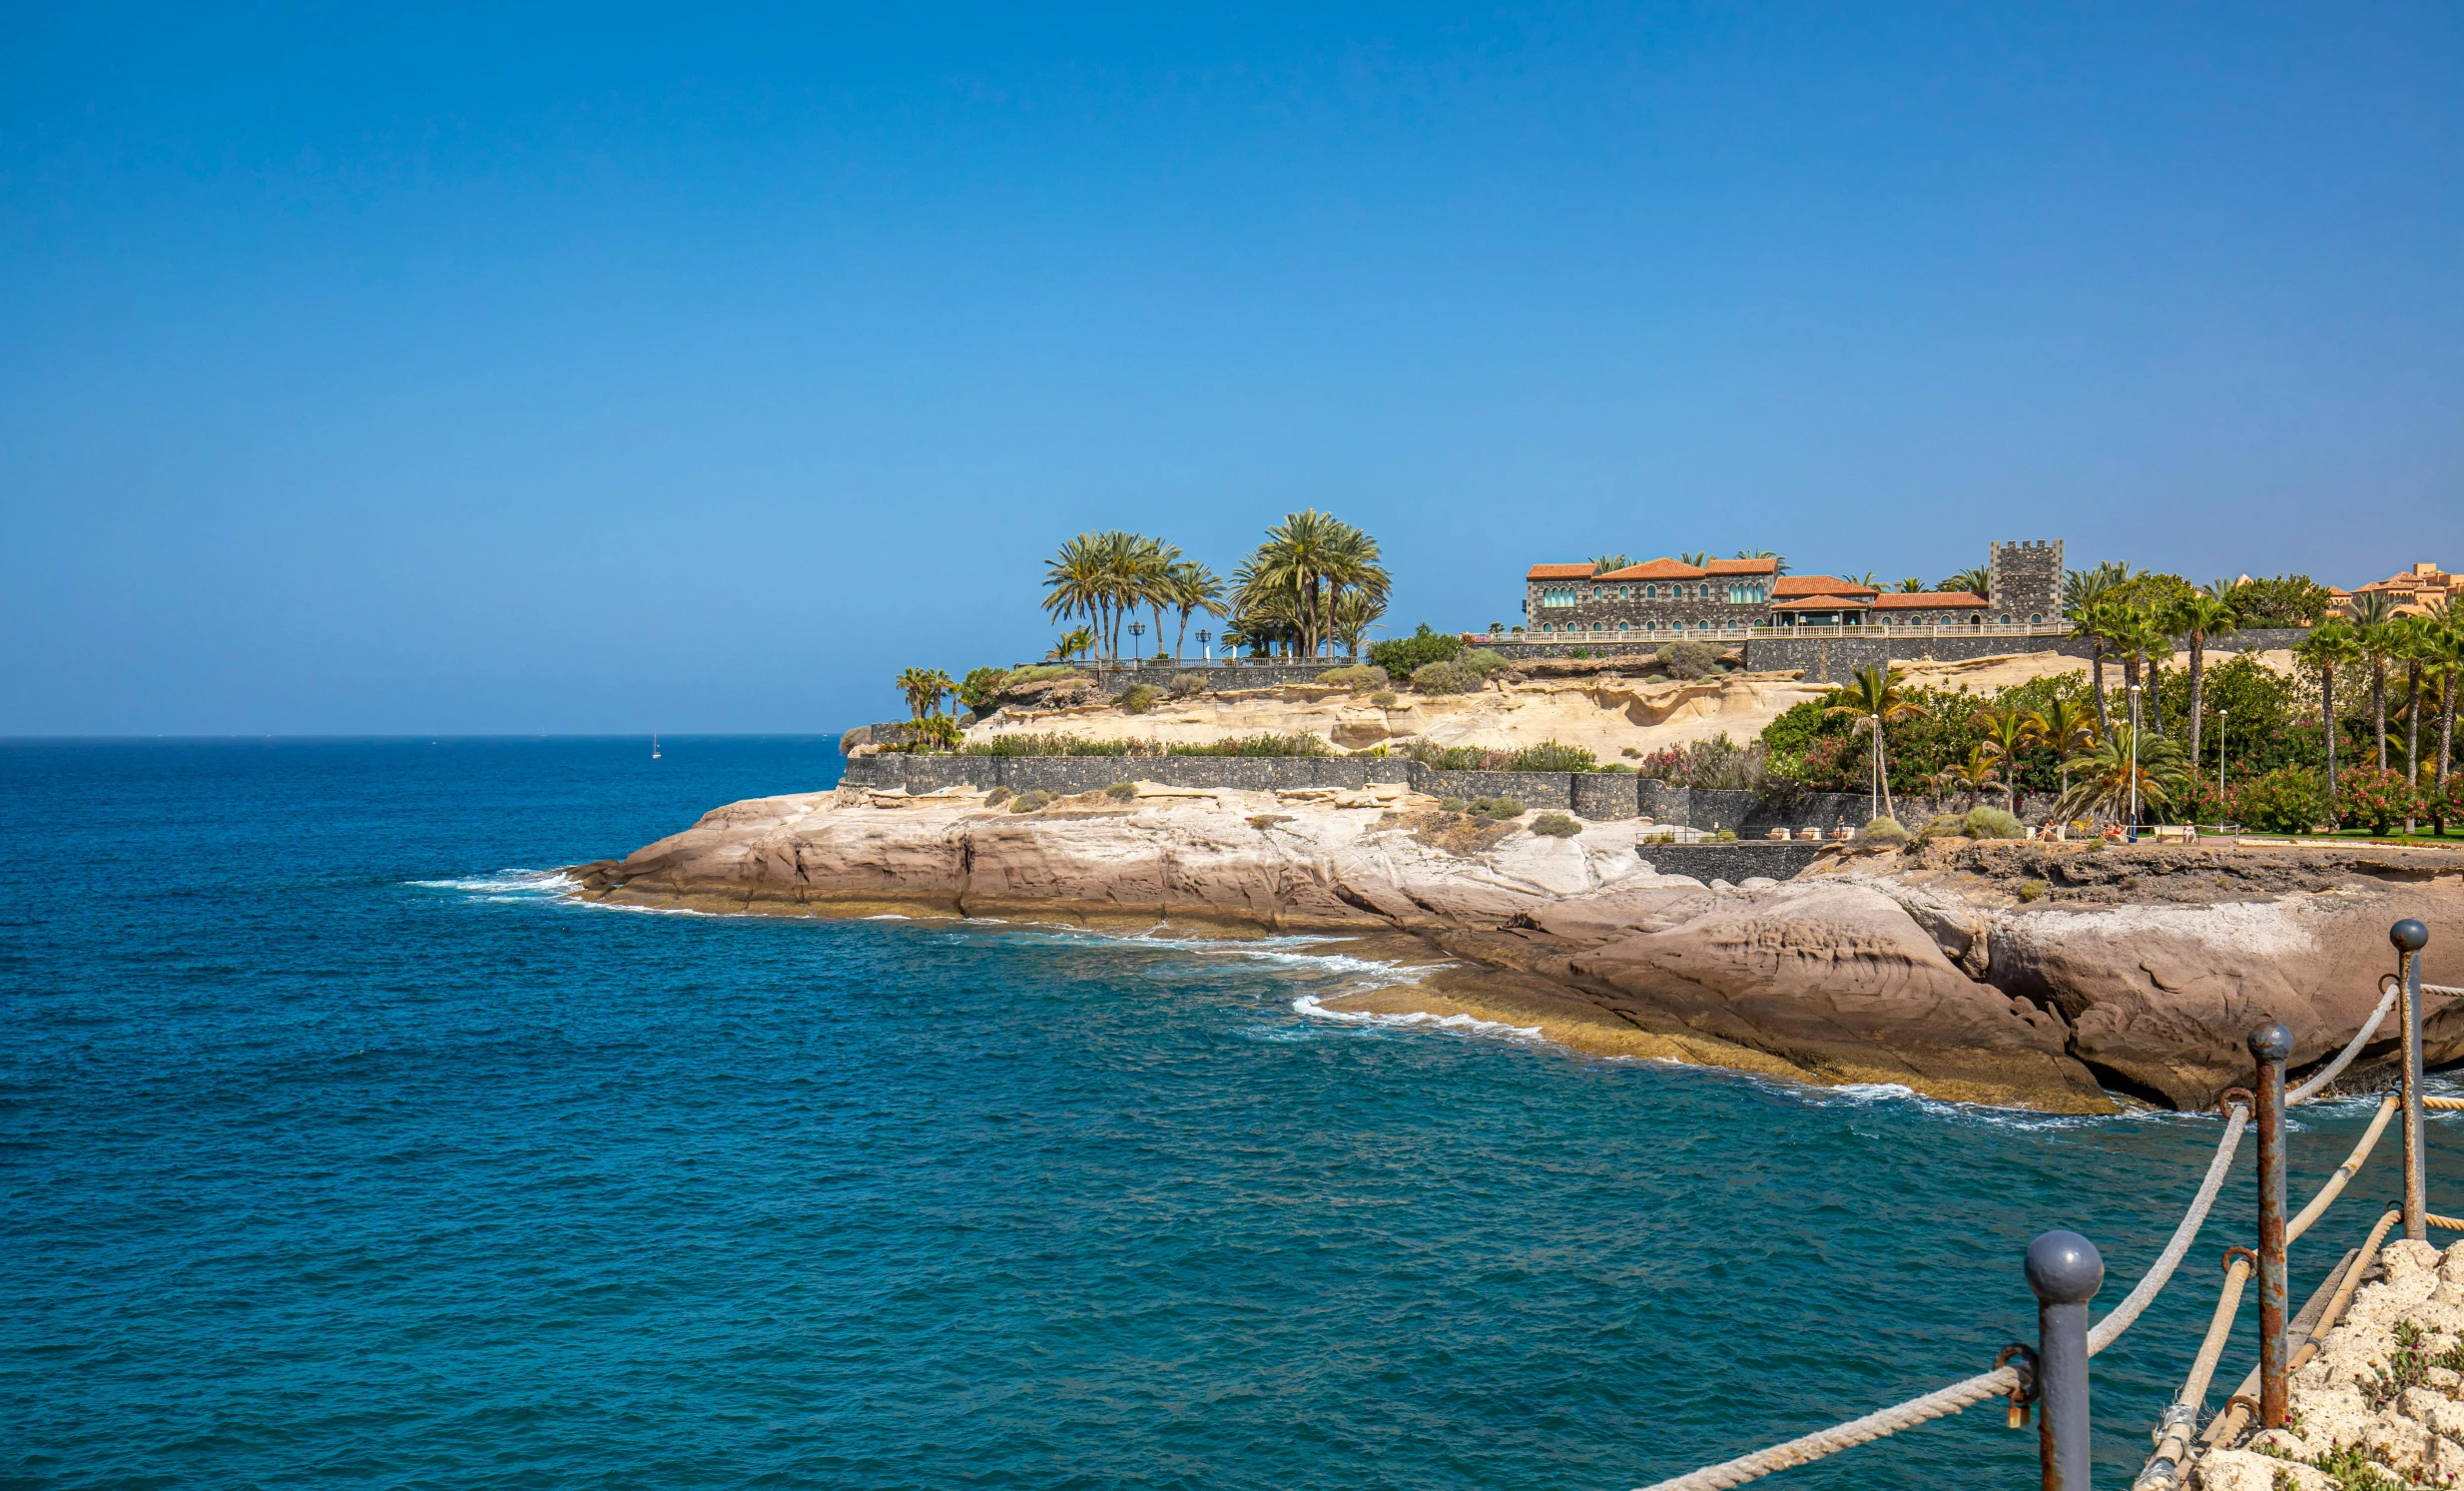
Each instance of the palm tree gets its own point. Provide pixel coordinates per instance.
(1778, 564)
(1153, 576)
(1355, 612)
(1874, 700)
(2200, 617)
(924, 688)
(2415, 647)
(1312, 558)
(2109, 770)
(1911, 586)
(1697, 557)
(2329, 644)
(1074, 580)
(1977, 774)
(2008, 731)
(2447, 649)
(1195, 588)
(1073, 643)
(2064, 728)
(2088, 604)
(2374, 614)
(1608, 562)
(1976, 579)
(2140, 636)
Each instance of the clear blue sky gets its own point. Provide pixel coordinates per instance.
(610, 369)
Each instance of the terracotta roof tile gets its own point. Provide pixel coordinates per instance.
(1740, 566)
(1560, 572)
(1927, 600)
(1656, 569)
(1817, 584)
(1830, 602)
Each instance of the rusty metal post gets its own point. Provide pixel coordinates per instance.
(2271, 1044)
(2066, 1272)
(2411, 937)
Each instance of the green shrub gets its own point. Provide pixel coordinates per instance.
(1883, 831)
(1138, 698)
(998, 796)
(1992, 823)
(1037, 673)
(1725, 836)
(1551, 755)
(1359, 677)
(2373, 797)
(1386, 698)
(1188, 685)
(982, 688)
(1400, 657)
(1444, 678)
(2032, 890)
(1028, 802)
(2287, 800)
(1302, 744)
(1497, 807)
(1453, 805)
(1121, 791)
(1481, 661)
(1027, 744)
(1557, 825)
(1579, 653)
(1945, 826)
(1688, 659)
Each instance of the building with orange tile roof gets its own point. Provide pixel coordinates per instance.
(1663, 599)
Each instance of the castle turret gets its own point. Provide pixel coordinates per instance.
(2025, 582)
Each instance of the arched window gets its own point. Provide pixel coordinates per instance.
(1621, 626)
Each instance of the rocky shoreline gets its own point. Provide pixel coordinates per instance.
(2042, 975)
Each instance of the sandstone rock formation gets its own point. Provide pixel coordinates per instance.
(1961, 971)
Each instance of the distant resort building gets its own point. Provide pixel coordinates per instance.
(1667, 600)
(2418, 590)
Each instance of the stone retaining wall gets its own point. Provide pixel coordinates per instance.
(1733, 863)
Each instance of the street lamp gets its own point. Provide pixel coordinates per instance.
(2220, 712)
(1202, 647)
(2133, 827)
(1137, 629)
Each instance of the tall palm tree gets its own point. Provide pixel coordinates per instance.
(924, 688)
(1874, 700)
(1312, 557)
(1155, 581)
(2199, 618)
(2415, 648)
(1195, 588)
(2330, 645)
(2447, 647)
(1074, 580)
(1979, 773)
(2086, 603)
(1976, 579)
(2373, 618)
(2107, 770)
(1355, 612)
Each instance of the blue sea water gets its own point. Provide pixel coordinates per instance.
(337, 1148)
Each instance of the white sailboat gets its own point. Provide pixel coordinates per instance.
(653, 745)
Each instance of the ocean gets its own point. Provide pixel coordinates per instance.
(337, 1148)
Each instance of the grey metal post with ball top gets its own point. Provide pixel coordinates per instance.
(2066, 1272)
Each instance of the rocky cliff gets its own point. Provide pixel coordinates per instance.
(2026, 975)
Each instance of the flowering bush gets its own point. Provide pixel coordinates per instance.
(2287, 800)
(2373, 796)
(2444, 803)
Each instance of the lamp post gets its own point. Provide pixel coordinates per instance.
(2133, 825)
(1202, 647)
(2220, 712)
(1137, 629)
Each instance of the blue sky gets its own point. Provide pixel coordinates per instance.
(609, 370)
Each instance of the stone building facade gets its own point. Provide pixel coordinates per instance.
(2025, 583)
(1667, 599)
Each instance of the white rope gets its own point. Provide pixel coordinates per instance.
(2329, 1073)
(2352, 1167)
(2441, 989)
(1939, 1403)
(2123, 1313)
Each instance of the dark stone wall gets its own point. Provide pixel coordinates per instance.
(1836, 659)
(1733, 863)
(2025, 580)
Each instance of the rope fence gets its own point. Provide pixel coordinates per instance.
(2174, 1429)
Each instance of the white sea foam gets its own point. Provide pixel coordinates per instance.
(507, 883)
(1308, 1004)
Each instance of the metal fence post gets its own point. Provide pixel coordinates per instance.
(2411, 937)
(2066, 1272)
(2271, 1044)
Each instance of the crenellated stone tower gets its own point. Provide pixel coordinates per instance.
(2025, 582)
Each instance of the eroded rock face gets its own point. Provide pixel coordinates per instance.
(1927, 969)
(1834, 978)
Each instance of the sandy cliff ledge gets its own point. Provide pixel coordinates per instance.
(1894, 969)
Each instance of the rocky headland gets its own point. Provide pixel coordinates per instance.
(2037, 974)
